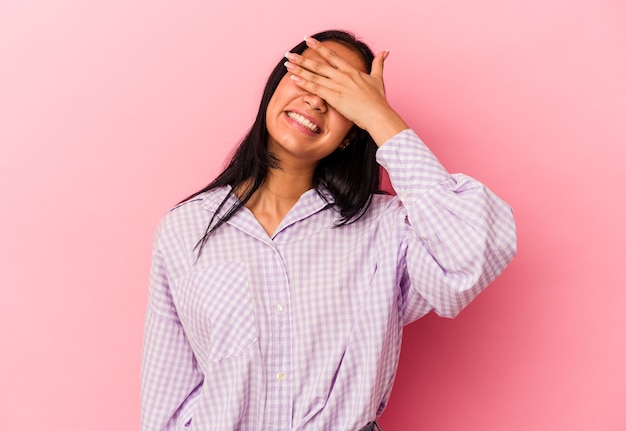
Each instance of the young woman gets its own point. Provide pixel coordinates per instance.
(278, 293)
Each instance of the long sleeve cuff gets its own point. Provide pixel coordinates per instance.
(412, 167)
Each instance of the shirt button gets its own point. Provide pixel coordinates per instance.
(279, 308)
(280, 376)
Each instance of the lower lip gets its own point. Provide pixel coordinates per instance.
(300, 127)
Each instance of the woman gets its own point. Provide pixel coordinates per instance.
(278, 293)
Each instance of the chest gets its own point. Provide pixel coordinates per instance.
(244, 289)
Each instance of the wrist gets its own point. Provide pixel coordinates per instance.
(385, 125)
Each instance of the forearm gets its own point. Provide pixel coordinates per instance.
(384, 124)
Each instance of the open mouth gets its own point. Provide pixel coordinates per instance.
(304, 122)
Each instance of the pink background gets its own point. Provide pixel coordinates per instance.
(111, 112)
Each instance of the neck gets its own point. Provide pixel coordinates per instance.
(283, 187)
(278, 194)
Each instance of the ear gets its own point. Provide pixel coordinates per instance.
(350, 136)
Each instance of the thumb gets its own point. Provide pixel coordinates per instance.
(378, 64)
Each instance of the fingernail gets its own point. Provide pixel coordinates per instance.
(289, 66)
(295, 78)
(291, 56)
(310, 41)
(386, 54)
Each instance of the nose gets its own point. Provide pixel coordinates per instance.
(316, 103)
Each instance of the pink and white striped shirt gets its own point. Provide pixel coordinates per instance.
(302, 331)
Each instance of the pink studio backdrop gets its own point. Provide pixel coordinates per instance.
(111, 112)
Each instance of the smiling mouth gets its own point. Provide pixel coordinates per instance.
(303, 121)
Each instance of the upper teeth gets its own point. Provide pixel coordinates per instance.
(306, 123)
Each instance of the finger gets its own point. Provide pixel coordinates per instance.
(328, 54)
(378, 65)
(314, 88)
(315, 77)
(317, 67)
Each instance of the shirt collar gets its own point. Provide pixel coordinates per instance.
(311, 202)
(214, 198)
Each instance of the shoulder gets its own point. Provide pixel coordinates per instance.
(188, 220)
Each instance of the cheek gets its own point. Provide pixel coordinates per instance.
(273, 111)
(272, 104)
(342, 125)
(285, 89)
(281, 95)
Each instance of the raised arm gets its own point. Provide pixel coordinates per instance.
(460, 234)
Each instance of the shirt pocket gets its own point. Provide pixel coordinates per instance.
(218, 306)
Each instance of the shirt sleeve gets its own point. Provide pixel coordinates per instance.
(461, 235)
(170, 378)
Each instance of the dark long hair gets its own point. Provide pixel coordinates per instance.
(351, 175)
